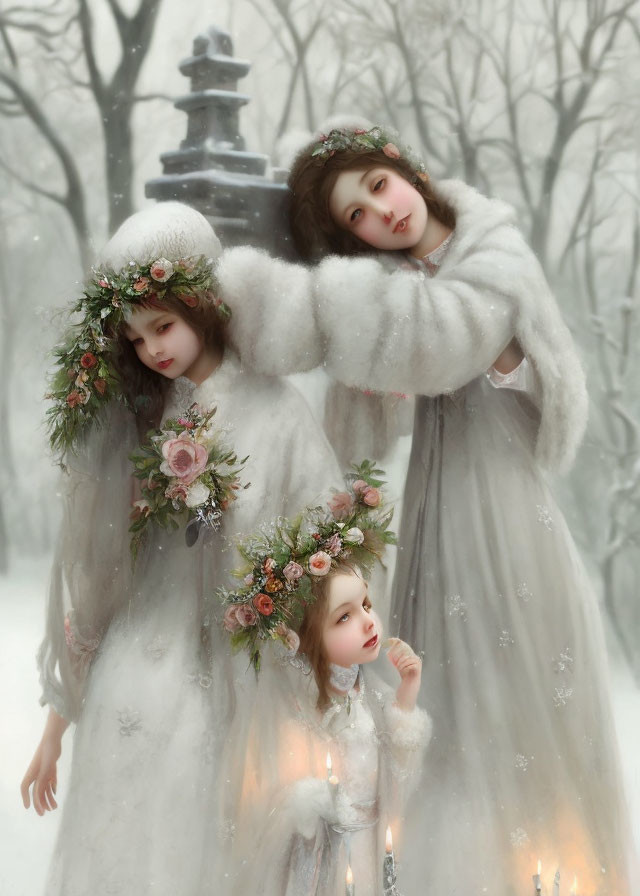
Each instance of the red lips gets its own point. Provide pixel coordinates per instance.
(164, 364)
(402, 224)
(371, 642)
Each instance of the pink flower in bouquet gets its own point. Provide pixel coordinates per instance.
(341, 505)
(319, 563)
(230, 620)
(246, 615)
(248, 579)
(184, 458)
(371, 497)
(269, 565)
(161, 270)
(263, 604)
(333, 545)
(189, 300)
(391, 151)
(188, 424)
(141, 284)
(103, 283)
(293, 571)
(177, 492)
(359, 486)
(100, 386)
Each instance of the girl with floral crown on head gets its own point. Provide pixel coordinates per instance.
(429, 289)
(132, 651)
(331, 748)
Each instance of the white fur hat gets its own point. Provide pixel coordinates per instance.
(168, 230)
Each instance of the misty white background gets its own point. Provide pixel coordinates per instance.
(531, 100)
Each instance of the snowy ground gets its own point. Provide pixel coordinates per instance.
(26, 841)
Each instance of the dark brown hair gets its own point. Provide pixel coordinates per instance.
(144, 389)
(310, 631)
(311, 181)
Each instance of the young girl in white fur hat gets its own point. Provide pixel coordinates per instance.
(134, 656)
(454, 309)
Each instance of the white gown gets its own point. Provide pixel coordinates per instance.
(148, 676)
(297, 832)
(523, 765)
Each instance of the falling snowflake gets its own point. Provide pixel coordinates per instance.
(562, 696)
(129, 721)
(522, 762)
(564, 663)
(457, 607)
(227, 829)
(544, 516)
(523, 591)
(519, 837)
(505, 639)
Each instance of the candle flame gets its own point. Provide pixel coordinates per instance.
(328, 761)
(388, 841)
(574, 888)
(349, 877)
(539, 867)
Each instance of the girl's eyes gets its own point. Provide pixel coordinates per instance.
(379, 184)
(366, 605)
(137, 341)
(164, 327)
(355, 215)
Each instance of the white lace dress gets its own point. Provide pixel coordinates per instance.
(144, 670)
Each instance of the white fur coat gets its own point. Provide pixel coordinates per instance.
(376, 325)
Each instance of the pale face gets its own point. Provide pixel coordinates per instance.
(351, 631)
(380, 207)
(166, 344)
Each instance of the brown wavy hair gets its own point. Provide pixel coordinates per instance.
(144, 389)
(310, 631)
(311, 181)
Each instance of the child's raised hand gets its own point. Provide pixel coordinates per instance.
(409, 666)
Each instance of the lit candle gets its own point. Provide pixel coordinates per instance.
(350, 888)
(537, 883)
(556, 883)
(329, 765)
(574, 888)
(389, 866)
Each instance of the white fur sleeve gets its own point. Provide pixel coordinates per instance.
(272, 325)
(311, 800)
(404, 331)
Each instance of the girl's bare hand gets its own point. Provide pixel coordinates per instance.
(409, 666)
(41, 778)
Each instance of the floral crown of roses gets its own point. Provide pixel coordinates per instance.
(85, 379)
(359, 140)
(283, 559)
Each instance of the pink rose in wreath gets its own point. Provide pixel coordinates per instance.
(161, 270)
(246, 615)
(189, 300)
(333, 545)
(293, 571)
(88, 360)
(141, 284)
(177, 492)
(263, 604)
(391, 151)
(230, 620)
(184, 458)
(319, 563)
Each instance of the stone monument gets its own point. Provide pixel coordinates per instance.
(212, 170)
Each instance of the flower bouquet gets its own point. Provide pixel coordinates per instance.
(283, 559)
(186, 474)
